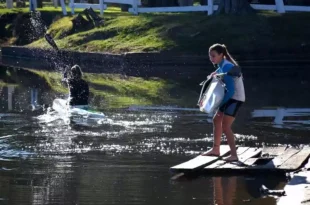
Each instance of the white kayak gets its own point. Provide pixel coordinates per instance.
(212, 94)
(60, 106)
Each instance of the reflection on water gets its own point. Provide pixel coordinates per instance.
(125, 158)
(292, 118)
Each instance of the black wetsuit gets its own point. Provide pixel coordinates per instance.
(79, 92)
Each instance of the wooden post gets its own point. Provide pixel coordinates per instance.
(35, 4)
(55, 2)
(10, 97)
(31, 5)
(210, 7)
(135, 7)
(279, 116)
(101, 6)
(34, 98)
(9, 4)
(63, 6)
(72, 6)
(280, 6)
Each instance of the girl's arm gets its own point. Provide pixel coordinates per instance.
(229, 82)
(230, 88)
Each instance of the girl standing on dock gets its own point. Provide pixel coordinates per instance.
(233, 99)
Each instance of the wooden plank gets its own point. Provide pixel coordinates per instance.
(93, 6)
(267, 152)
(279, 160)
(240, 150)
(297, 190)
(216, 164)
(294, 162)
(250, 162)
(272, 151)
(252, 152)
(297, 8)
(171, 9)
(263, 7)
(200, 161)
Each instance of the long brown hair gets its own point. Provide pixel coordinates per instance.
(76, 72)
(221, 49)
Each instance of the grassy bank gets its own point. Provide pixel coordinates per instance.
(183, 32)
(187, 33)
(118, 91)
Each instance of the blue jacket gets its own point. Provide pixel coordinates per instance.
(224, 67)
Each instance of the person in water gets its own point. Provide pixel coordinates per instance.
(78, 88)
(234, 97)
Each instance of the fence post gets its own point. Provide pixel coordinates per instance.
(35, 4)
(101, 6)
(210, 7)
(63, 6)
(34, 98)
(32, 5)
(280, 6)
(280, 113)
(135, 7)
(9, 4)
(10, 97)
(55, 3)
(72, 6)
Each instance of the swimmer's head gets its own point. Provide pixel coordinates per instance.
(76, 72)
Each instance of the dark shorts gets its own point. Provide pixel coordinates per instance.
(231, 107)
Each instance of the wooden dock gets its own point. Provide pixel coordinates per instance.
(252, 160)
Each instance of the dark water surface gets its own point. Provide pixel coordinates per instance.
(125, 158)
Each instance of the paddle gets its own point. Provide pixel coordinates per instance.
(39, 26)
(51, 41)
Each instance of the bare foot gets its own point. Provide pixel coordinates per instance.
(231, 158)
(211, 152)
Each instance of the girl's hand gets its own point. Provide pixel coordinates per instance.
(211, 75)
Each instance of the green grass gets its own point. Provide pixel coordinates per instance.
(180, 32)
(119, 91)
(2, 84)
(189, 33)
(53, 80)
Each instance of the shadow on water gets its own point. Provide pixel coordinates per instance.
(125, 158)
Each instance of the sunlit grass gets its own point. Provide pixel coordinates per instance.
(179, 32)
(119, 90)
(189, 33)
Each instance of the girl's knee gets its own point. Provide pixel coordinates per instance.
(217, 119)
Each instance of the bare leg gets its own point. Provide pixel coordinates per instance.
(217, 134)
(227, 122)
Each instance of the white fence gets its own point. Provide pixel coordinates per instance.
(279, 113)
(135, 9)
(210, 8)
(102, 5)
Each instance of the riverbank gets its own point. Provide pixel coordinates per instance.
(120, 90)
(184, 33)
(107, 90)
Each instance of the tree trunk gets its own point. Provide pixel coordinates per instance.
(234, 7)
(161, 3)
